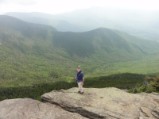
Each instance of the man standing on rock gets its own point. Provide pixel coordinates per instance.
(80, 80)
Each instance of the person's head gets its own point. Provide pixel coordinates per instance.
(78, 69)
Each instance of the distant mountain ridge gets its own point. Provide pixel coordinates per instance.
(104, 41)
(139, 23)
(79, 43)
(36, 50)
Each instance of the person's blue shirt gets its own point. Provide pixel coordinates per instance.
(79, 76)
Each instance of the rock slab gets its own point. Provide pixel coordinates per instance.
(31, 109)
(106, 103)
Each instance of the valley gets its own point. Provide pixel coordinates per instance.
(36, 54)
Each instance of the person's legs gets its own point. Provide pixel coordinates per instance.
(80, 86)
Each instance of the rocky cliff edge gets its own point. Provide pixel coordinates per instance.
(103, 103)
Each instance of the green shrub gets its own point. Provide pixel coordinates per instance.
(34, 91)
(123, 81)
(151, 84)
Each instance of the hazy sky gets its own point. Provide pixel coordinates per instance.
(61, 6)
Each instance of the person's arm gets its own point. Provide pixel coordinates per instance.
(83, 76)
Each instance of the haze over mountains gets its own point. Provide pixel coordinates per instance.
(76, 43)
(142, 24)
(25, 46)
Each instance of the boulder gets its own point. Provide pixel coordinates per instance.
(31, 109)
(106, 103)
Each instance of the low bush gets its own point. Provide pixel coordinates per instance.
(151, 84)
(123, 81)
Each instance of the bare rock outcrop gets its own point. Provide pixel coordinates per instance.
(32, 109)
(106, 103)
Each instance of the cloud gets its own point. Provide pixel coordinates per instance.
(20, 2)
(3, 1)
(61, 6)
(26, 2)
(17, 6)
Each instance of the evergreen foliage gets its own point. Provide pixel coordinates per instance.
(123, 81)
(151, 84)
